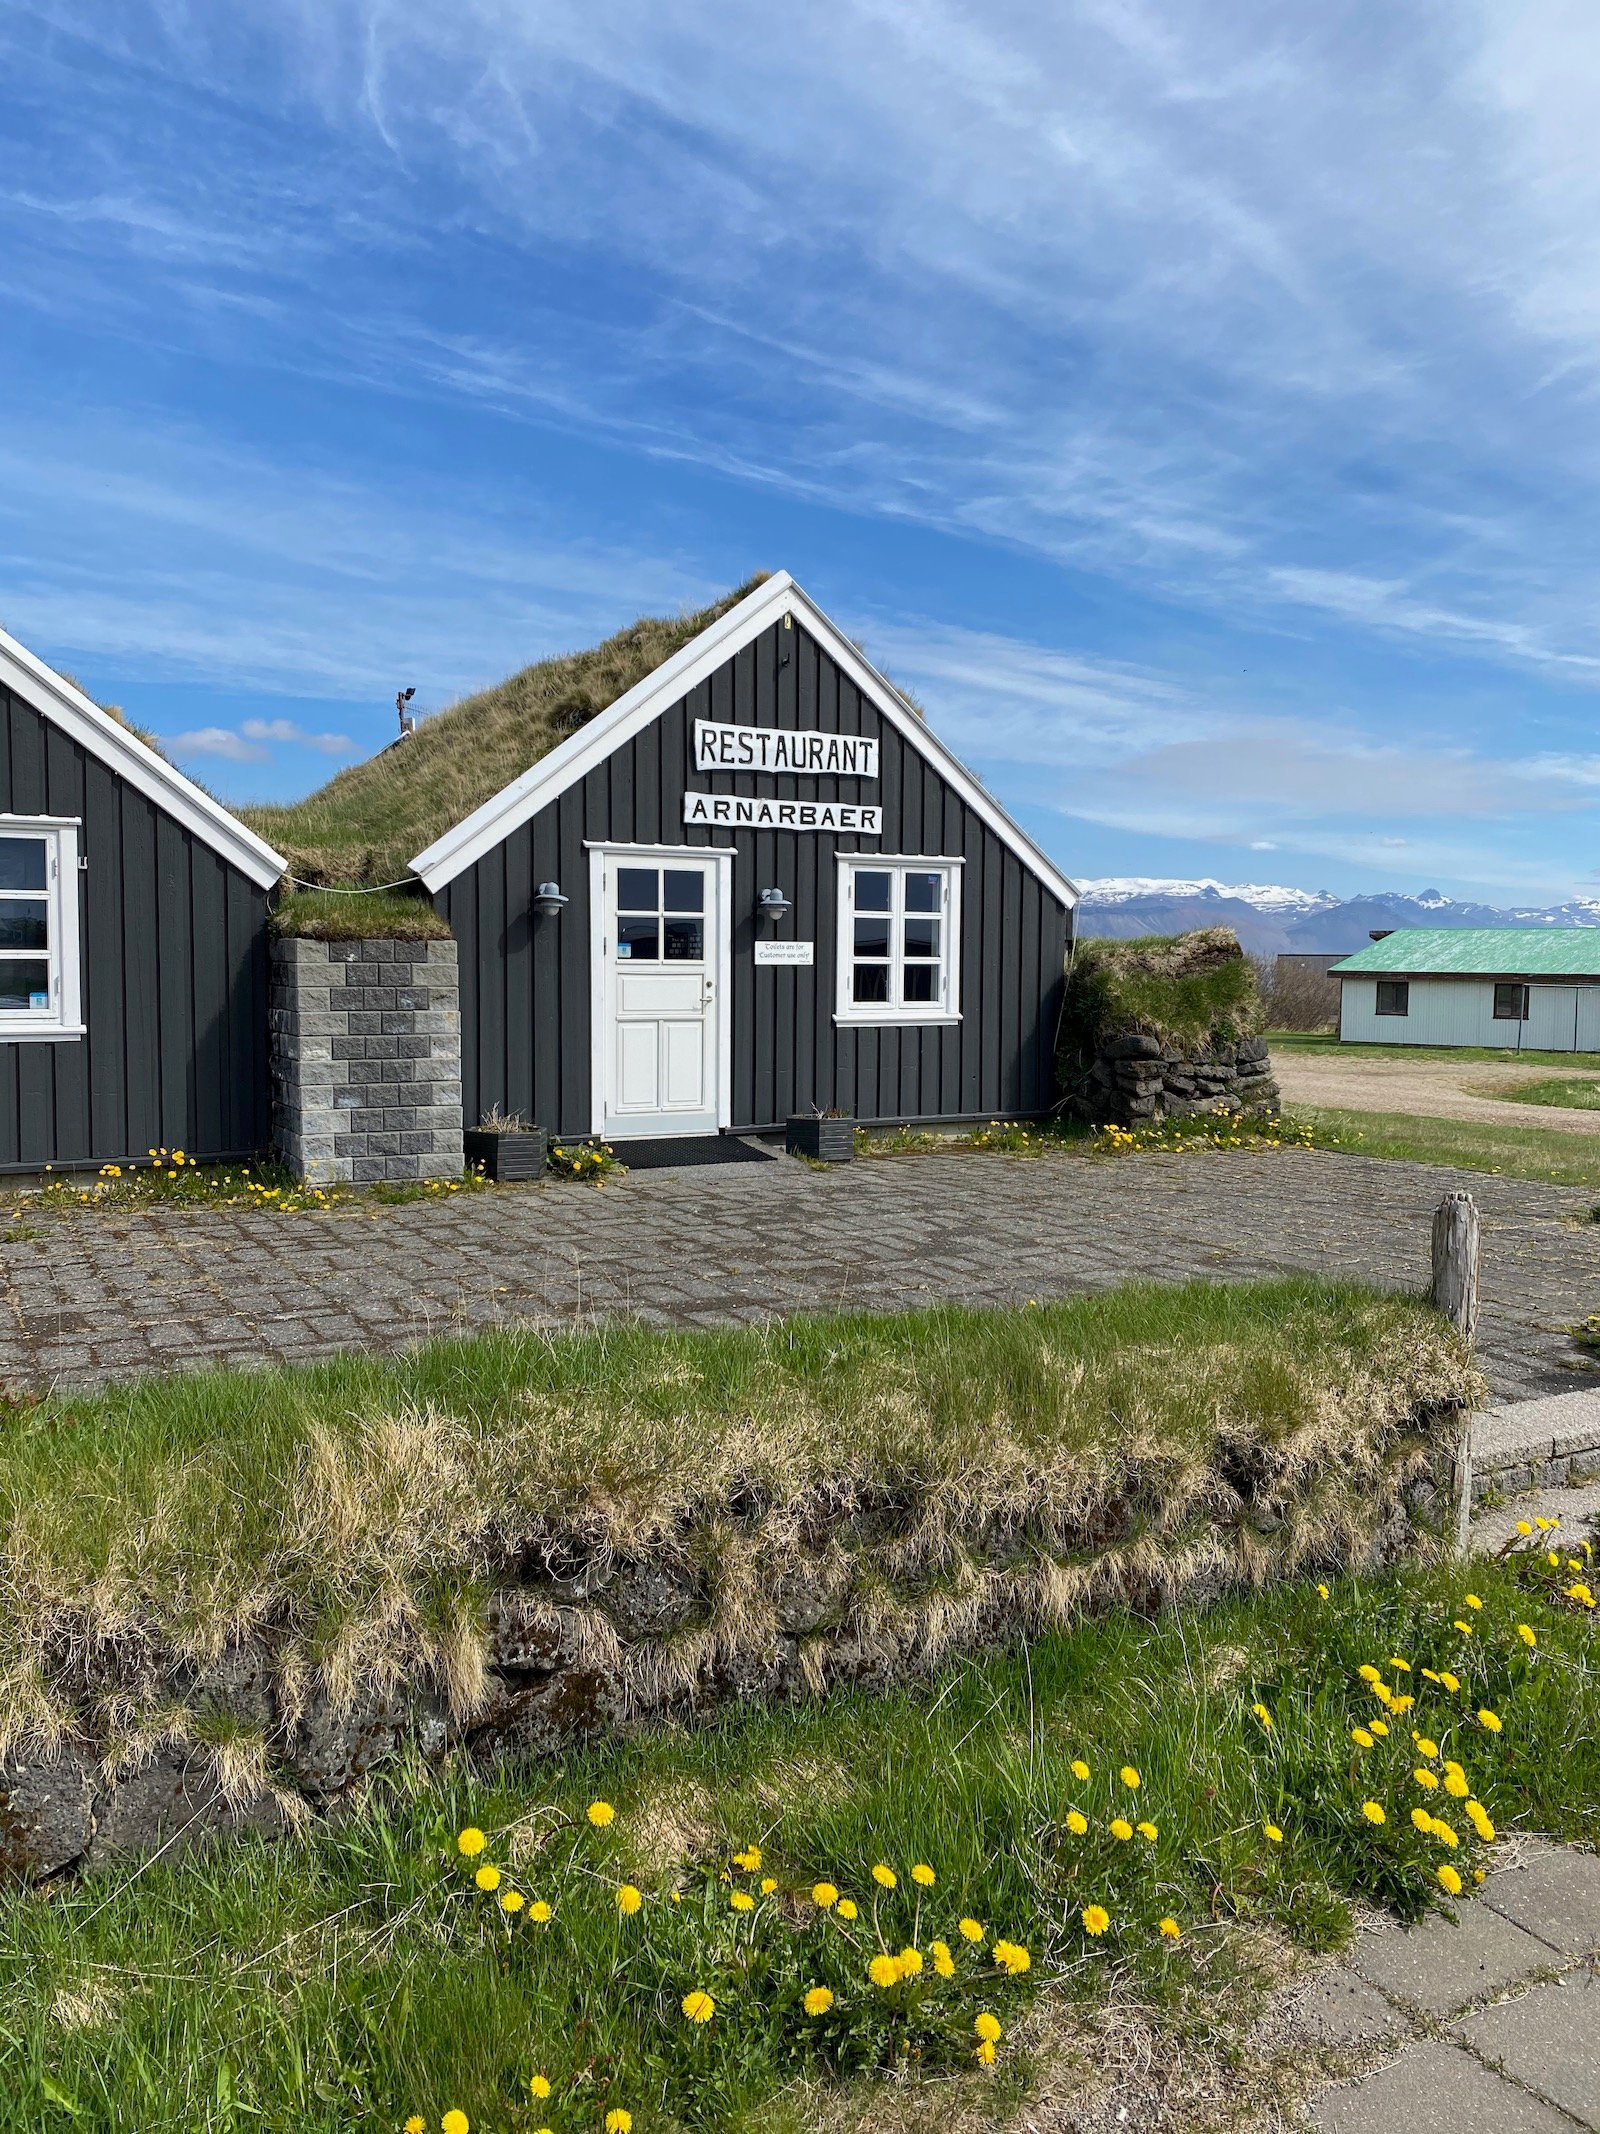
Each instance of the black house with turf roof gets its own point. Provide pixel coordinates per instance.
(753, 885)
(133, 942)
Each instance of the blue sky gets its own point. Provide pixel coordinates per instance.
(1195, 406)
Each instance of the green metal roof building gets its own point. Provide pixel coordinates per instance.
(1533, 988)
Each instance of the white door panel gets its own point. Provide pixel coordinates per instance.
(661, 952)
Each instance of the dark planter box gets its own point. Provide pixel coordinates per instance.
(824, 1140)
(507, 1158)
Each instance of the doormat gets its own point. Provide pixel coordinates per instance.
(669, 1152)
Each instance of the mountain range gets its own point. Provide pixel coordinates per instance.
(1270, 919)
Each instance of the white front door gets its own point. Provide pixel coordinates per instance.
(659, 948)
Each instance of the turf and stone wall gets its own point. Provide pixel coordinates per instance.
(366, 1060)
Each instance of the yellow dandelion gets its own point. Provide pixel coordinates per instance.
(972, 1929)
(1322, 1592)
(988, 2026)
(698, 2006)
(983, 2053)
(1448, 1878)
(1524, 1529)
(1263, 1715)
(471, 1842)
(1121, 1828)
(1422, 1819)
(1403, 1665)
(742, 1901)
(818, 2001)
(1012, 1957)
(488, 1879)
(1079, 1768)
(1525, 1632)
(1095, 1919)
(1274, 1834)
(1170, 1930)
(943, 1962)
(749, 1859)
(1489, 1721)
(910, 1962)
(846, 1908)
(1464, 1628)
(539, 1912)
(1380, 1729)
(1450, 1681)
(1361, 1738)
(885, 1877)
(1369, 1673)
(1425, 1747)
(1446, 1833)
(1425, 1777)
(629, 1899)
(539, 2088)
(512, 1902)
(600, 1813)
(824, 1896)
(454, 2121)
(1473, 1601)
(1076, 1822)
(1373, 1811)
(1148, 1830)
(1455, 1784)
(767, 1885)
(619, 2120)
(416, 2124)
(884, 1971)
(922, 1873)
(1129, 1776)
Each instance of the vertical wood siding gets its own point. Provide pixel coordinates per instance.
(525, 981)
(174, 945)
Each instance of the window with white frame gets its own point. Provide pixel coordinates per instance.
(39, 960)
(899, 940)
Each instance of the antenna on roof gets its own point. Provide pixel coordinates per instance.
(408, 723)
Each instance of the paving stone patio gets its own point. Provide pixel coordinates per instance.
(91, 1294)
(1491, 2025)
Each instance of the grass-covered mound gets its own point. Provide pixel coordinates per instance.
(948, 1472)
(368, 823)
(1195, 992)
(337, 915)
(358, 1975)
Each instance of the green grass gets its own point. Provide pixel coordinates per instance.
(358, 1510)
(343, 915)
(1192, 990)
(1315, 1043)
(1543, 1153)
(354, 1975)
(1570, 1093)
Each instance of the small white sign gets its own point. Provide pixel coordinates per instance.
(808, 752)
(785, 952)
(732, 811)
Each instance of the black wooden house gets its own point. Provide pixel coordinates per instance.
(755, 885)
(133, 943)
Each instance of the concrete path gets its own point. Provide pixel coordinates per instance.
(89, 1294)
(1489, 2024)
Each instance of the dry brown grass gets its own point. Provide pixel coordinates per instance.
(367, 823)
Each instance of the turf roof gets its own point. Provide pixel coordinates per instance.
(364, 825)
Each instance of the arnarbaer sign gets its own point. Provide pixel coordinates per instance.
(732, 811)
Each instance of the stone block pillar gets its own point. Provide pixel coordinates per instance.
(366, 1060)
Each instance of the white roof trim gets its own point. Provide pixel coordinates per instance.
(466, 843)
(56, 699)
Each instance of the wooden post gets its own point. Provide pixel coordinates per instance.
(1456, 1234)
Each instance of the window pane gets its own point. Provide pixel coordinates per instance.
(1394, 996)
(683, 940)
(638, 888)
(24, 982)
(872, 936)
(923, 891)
(872, 890)
(922, 937)
(1510, 1003)
(921, 984)
(872, 981)
(636, 939)
(24, 922)
(22, 863)
(685, 891)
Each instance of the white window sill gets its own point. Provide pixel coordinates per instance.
(893, 1020)
(54, 1033)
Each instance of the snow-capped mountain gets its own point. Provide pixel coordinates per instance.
(1269, 918)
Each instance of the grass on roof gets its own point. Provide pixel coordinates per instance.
(1190, 990)
(368, 822)
(375, 915)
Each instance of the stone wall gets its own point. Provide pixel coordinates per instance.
(1139, 1081)
(366, 1060)
(849, 1590)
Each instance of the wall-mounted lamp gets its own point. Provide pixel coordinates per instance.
(774, 905)
(548, 900)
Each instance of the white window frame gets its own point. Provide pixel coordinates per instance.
(63, 1019)
(947, 1009)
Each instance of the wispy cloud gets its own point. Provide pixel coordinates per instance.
(254, 741)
